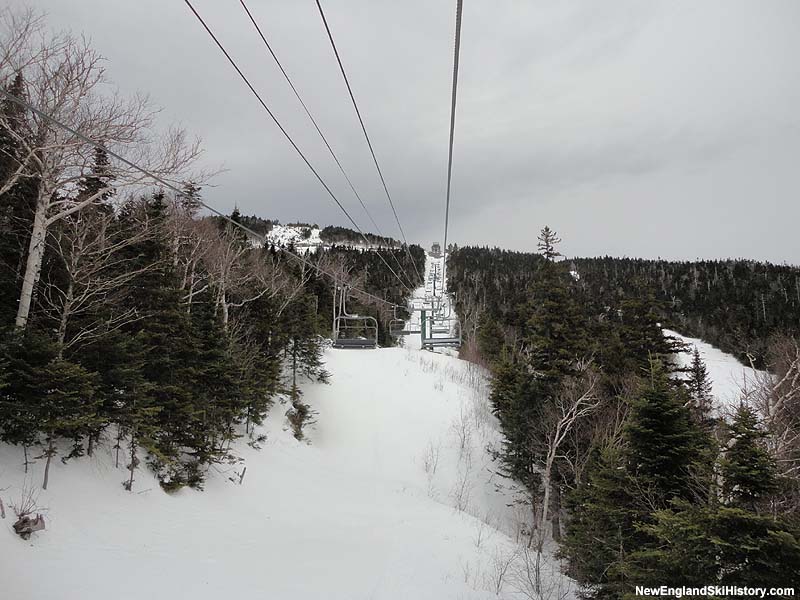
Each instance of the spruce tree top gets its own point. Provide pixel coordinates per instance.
(548, 240)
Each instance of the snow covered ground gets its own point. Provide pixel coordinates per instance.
(728, 376)
(303, 238)
(395, 495)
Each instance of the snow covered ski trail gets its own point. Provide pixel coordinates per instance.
(395, 495)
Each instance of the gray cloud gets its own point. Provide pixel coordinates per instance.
(665, 128)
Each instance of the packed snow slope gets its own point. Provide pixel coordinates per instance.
(303, 238)
(306, 238)
(393, 495)
(729, 377)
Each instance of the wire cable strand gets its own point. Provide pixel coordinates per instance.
(456, 53)
(319, 131)
(289, 138)
(366, 135)
(25, 104)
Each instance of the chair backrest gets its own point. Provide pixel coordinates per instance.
(432, 326)
(352, 326)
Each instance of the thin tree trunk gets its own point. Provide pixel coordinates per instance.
(33, 266)
(333, 321)
(557, 514)
(65, 313)
(118, 446)
(50, 452)
(546, 500)
(132, 466)
(191, 291)
(222, 304)
(294, 370)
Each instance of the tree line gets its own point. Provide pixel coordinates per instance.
(343, 236)
(628, 463)
(737, 305)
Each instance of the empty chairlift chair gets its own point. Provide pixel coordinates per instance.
(397, 327)
(352, 330)
(440, 332)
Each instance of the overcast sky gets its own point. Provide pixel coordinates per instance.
(640, 128)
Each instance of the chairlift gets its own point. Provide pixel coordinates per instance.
(351, 330)
(397, 327)
(431, 340)
(438, 308)
(440, 326)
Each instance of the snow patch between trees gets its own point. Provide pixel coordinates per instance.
(729, 377)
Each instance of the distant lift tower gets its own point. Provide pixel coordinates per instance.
(436, 250)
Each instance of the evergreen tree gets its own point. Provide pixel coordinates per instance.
(99, 178)
(170, 355)
(554, 332)
(67, 406)
(748, 471)
(697, 546)
(259, 361)
(662, 441)
(641, 334)
(648, 508)
(304, 353)
(610, 543)
(507, 394)
(24, 358)
(601, 532)
(217, 397)
(548, 240)
(490, 338)
(552, 345)
(699, 386)
(190, 197)
(46, 398)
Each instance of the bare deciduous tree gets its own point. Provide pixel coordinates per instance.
(193, 240)
(532, 578)
(576, 400)
(64, 79)
(19, 28)
(95, 272)
(775, 395)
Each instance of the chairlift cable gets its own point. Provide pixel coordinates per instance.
(288, 137)
(456, 54)
(366, 136)
(319, 131)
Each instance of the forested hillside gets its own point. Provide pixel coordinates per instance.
(736, 305)
(330, 235)
(627, 466)
(255, 223)
(344, 236)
